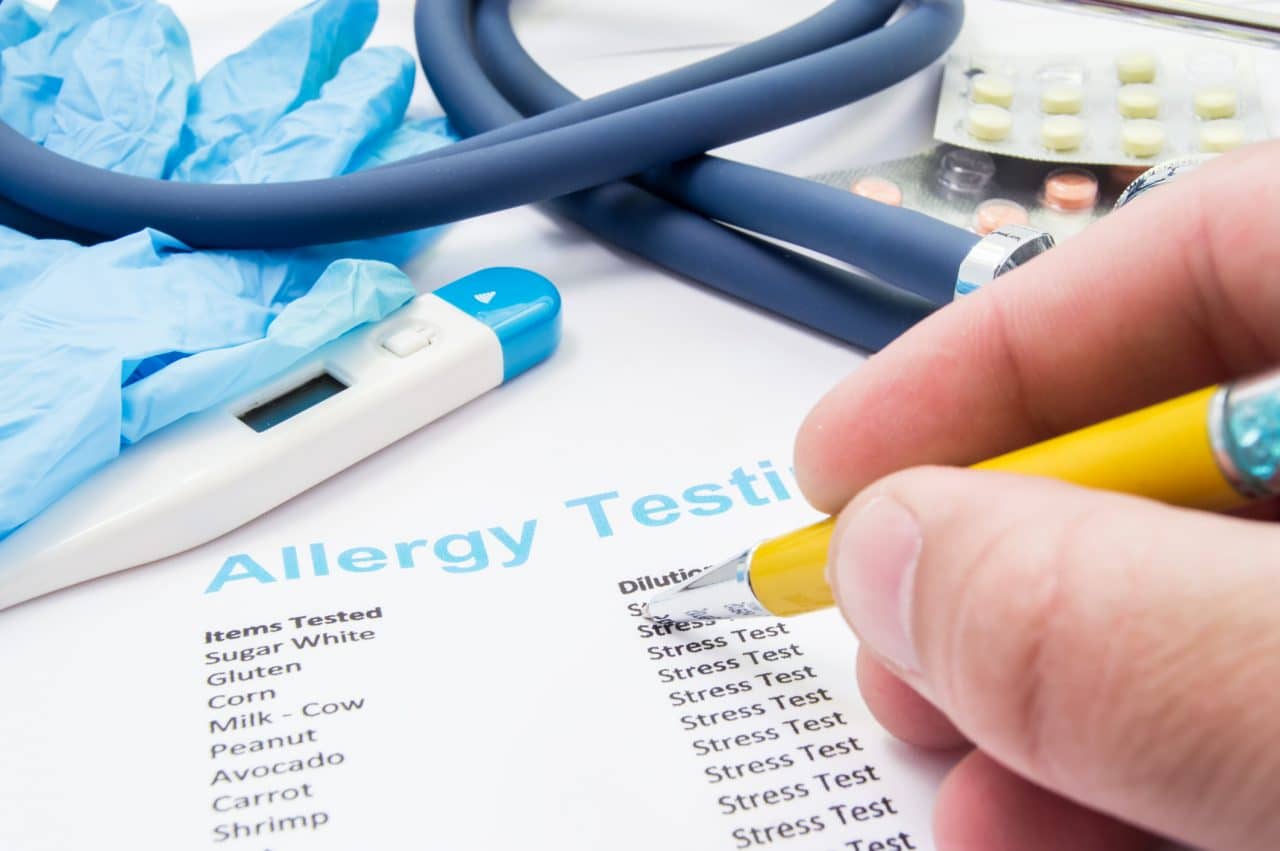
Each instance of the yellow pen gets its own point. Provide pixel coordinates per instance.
(1214, 449)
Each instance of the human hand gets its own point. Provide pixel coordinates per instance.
(1111, 665)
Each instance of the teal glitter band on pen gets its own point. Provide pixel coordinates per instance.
(1244, 426)
(1254, 425)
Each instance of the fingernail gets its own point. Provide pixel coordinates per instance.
(874, 576)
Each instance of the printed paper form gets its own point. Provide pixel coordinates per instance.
(381, 706)
(483, 707)
(379, 709)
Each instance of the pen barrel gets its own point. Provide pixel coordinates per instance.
(1164, 452)
(787, 572)
(1182, 452)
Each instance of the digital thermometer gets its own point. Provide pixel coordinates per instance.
(211, 472)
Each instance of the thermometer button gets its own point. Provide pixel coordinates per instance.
(406, 341)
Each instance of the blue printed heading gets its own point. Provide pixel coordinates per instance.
(479, 549)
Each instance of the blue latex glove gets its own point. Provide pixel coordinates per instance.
(105, 344)
(18, 22)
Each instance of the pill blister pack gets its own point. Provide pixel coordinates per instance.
(982, 192)
(1134, 107)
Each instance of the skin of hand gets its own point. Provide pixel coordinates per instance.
(1110, 665)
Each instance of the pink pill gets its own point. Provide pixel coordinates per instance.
(1070, 189)
(995, 213)
(878, 189)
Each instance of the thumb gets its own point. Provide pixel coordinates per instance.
(1119, 652)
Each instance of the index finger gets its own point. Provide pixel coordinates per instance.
(1177, 291)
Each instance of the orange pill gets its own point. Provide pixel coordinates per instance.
(995, 213)
(878, 189)
(1070, 189)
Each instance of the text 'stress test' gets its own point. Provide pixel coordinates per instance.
(782, 765)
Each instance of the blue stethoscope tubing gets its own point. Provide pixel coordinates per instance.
(487, 82)
(627, 165)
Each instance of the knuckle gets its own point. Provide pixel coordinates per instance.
(1057, 656)
(1012, 630)
(1110, 665)
(1234, 301)
(1179, 707)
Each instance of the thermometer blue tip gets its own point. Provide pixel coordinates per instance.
(522, 308)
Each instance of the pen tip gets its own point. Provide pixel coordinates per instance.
(644, 611)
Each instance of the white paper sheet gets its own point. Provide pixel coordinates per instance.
(493, 707)
(503, 707)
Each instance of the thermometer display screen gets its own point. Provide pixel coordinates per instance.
(288, 405)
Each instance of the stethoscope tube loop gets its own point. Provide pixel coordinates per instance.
(572, 147)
